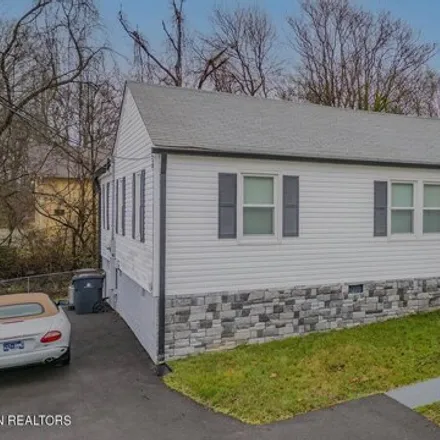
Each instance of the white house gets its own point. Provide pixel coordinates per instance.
(230, 219)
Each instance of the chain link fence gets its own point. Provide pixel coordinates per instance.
(54, 284)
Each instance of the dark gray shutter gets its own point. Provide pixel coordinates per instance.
(107, 205)
(142, 208)
(227, 205)
(117, 206)
(380, 208)
(290, 206)
(133, 207)
(103, 206)
(124, 203)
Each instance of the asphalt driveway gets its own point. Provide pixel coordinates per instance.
(111, 392)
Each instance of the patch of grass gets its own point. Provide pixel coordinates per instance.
(431, 412)
(277, 380)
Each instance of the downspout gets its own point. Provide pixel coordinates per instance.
(162, 368)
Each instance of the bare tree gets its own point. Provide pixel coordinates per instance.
(85, 111)
(352, 58)
(44, 50)
(182, 64)
(422, 98)
(251, 66)
(33, 55)
(55, 92)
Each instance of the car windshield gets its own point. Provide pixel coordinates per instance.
(20, 310)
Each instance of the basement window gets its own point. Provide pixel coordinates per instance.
(355, 288)
(59, 212)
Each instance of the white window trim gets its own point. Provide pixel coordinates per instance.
(415, 209)
(418, 209)
(423, 209)
(259, 239)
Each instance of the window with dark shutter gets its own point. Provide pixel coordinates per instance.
(290, 206)
(133, 207)
(124, 203)
(380, 209)
(142, 207)
(227, 205)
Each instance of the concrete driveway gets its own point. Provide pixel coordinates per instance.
(110, 391)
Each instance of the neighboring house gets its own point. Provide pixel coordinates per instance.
(230, 219)
(63, 192)
(58, 200)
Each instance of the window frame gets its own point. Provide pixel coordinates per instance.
(276, 206)
(413, 209)
(423, 209)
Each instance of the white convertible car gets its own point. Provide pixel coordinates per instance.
(33, 330)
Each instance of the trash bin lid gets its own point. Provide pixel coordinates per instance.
(87, 270)
(88, 275)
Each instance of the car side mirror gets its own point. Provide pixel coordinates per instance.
(62, 302)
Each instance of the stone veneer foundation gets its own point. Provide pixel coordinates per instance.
(215, 321)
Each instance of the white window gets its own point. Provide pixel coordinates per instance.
(402, 208)
(258, 205)
(431, 208)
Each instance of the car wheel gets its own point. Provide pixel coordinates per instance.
(63, 360)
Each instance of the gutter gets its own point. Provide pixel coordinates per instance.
(162, 368)
(194, 151)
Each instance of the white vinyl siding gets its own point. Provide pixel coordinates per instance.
(136, 299)
(335, 243)
(133, 153)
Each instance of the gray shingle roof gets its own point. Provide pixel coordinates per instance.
(178, 118)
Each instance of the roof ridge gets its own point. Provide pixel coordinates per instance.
(281, 101)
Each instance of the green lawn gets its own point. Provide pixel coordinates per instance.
(431, 412)
(277, 380)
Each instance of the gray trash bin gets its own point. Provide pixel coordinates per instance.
(71, 289)
(87, 291)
